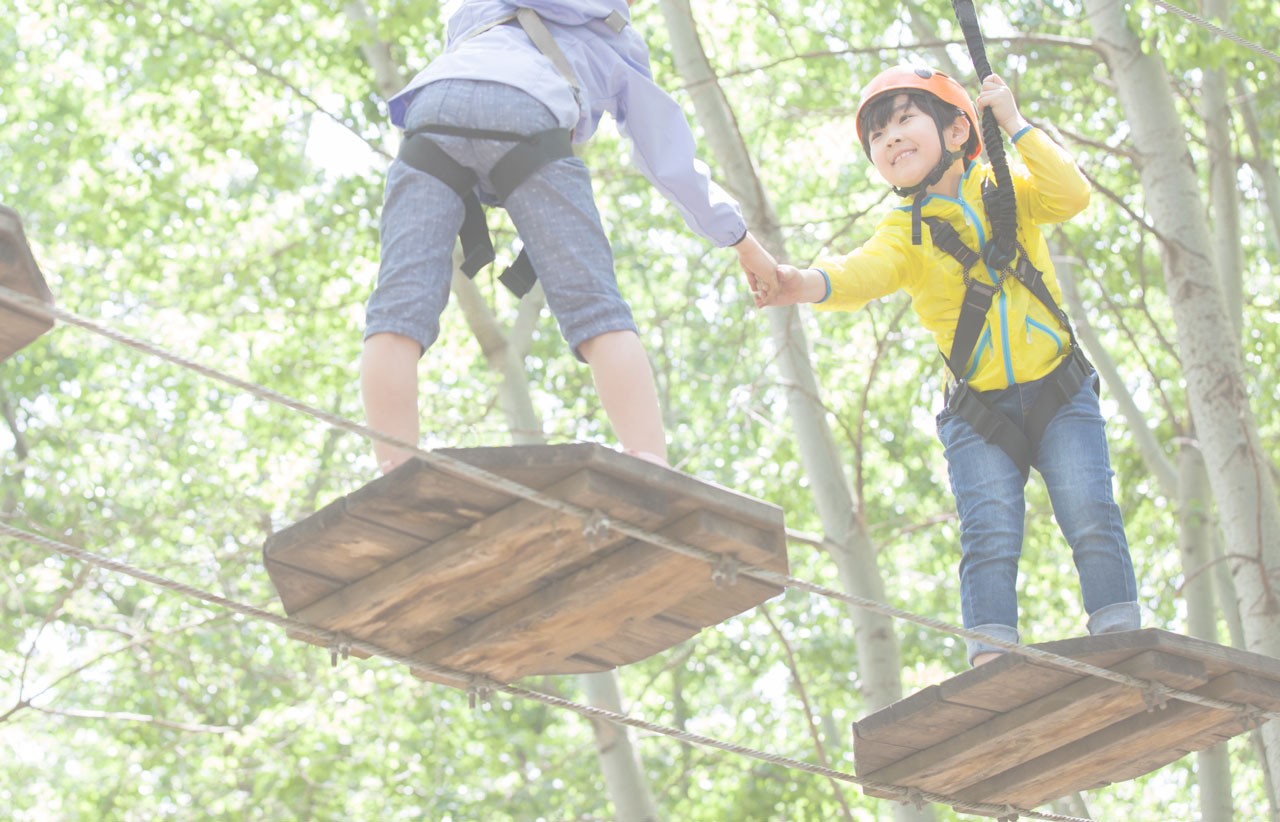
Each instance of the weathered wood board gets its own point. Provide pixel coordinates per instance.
(1017, 733)
(449, 572)
(18, 271)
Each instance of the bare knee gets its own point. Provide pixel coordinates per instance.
(606, 343)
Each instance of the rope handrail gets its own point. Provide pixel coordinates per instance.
(1218, 30)
(498, 483)
(479, 685)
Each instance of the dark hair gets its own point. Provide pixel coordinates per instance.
(877, 113)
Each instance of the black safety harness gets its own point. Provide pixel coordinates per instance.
(530, 153)
(1005, 255)
(1020, 442)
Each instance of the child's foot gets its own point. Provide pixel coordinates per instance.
(387, 466)
(984, 658)
(648, 457)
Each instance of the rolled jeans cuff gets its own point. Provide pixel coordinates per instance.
(1005, 633)
(1118, 616)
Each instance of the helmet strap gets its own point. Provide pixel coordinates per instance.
(920, 190)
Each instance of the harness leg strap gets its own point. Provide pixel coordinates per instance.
(526, 157)
(529, 154)
(993, 426)
(1059, 388)
(421, 153)
(509, 173)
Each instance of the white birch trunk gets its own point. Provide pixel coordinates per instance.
(1262, 163)
(1213, 770)
(505, 351)
(848, 542)
(1239, 473)
(1224, 193)
(1187, 484)
(1195, 546)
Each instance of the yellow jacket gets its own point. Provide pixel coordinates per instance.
(1021, 341)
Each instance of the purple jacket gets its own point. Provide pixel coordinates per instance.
(613, 75)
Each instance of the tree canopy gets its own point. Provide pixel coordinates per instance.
(207, 177)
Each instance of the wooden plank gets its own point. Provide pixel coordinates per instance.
(920, 722)
(633, 583)
(334, 544)
(19, 272)
(713, 531)
(1012, 681)
(1109, 755)
(956, 706)
(429, 560)
(297, 588)
(1234, 686)
(712, 605)
(443, 586)
(1217, 659)
(540, 465)
(938, 712)
(1037, 727)
(639, 640)
(417, 499)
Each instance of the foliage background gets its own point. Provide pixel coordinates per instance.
(207, 176)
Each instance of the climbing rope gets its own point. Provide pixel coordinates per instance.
(596, 521)
(478, 685)
(1001, 205)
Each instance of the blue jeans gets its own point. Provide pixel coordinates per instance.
(988, 488)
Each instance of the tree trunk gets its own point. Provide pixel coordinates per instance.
(505, 351)
(1195, 540)
(1139, 429)
(1224, 192)
(1262, 163)
(1188, 485)
(848, 542)
(619, 759)
(1239, 473)
(1195, 545)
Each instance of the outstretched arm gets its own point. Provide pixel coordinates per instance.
(791, 285)
(758, 264)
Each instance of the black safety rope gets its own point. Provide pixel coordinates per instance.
(1002, 206)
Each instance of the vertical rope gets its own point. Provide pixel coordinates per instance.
(1002, 206)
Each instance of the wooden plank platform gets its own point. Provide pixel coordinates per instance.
(452, 573)
(18, 271)
(1014, 732)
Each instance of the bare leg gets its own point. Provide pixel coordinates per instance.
(983, 659)
(389, 387)
(625, 385)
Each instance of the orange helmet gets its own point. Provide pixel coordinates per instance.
(914, 78)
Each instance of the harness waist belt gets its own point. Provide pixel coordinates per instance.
(1021, 443)
(530, 153)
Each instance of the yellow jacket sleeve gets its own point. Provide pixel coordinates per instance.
(1060, 190)
(876, 269)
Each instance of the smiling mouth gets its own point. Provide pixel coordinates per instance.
(903, 155)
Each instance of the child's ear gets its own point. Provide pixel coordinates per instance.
(958, 133)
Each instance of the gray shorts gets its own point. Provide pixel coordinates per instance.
(554, 212)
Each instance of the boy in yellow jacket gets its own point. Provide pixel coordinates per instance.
(1021, 393)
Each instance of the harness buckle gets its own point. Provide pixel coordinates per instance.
(616, 21)
(1027, 274)
(979, 294)
(955, 394)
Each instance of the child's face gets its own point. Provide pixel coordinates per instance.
(905, 148)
